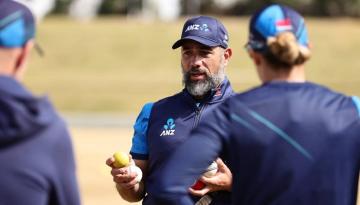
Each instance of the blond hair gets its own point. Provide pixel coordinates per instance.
(285, 49)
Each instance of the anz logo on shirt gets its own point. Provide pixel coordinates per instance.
(169, 128)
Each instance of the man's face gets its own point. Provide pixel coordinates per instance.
(202, 67)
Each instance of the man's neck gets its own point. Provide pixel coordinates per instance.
(8, 61)
(207, 94)
(200, 98)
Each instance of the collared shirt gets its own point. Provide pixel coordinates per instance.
(162, 126)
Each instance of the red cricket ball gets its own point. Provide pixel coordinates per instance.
(198, 185)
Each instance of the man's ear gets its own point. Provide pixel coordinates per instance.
(22, 59)
(227, 55)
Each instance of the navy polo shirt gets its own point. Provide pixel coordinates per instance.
(162, 126)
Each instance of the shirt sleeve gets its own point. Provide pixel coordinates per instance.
(356, 101)
(139, 148)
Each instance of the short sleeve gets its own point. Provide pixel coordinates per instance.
(139, 148)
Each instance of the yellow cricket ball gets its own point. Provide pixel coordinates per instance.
(121, 159)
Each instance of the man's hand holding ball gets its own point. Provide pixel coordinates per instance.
(124, 171)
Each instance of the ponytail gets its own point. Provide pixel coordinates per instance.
(284, 51)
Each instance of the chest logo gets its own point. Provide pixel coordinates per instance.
(169, 128)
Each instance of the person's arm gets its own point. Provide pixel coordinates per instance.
(188, 162)
(65, 188)
(138, 191)
(126, 184)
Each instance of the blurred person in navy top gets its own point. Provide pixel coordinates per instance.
(162, 126)
(36, 154)
(289, 141)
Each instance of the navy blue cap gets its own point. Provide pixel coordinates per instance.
(205, 30)
(17, 24)
(275, 19)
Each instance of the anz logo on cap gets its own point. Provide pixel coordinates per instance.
(203, 27)
(169, 128)
(225, 40)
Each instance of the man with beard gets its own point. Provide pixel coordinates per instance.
(162, 126)
(289, 141)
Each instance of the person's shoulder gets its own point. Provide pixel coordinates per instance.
(146, 110)
(245, 95)
(170, 99)
(148, 107)
(325, 92)
(337, 101)
(356, 102)
(323, 89)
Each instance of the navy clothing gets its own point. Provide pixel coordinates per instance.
(289, 143)
(167, 124)
(36, 155)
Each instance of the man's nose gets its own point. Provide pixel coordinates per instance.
(196, 61)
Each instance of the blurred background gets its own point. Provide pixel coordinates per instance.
(105, 59)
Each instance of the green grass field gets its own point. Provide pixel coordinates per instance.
(117, 64)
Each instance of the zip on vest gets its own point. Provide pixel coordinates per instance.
(198, 114)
